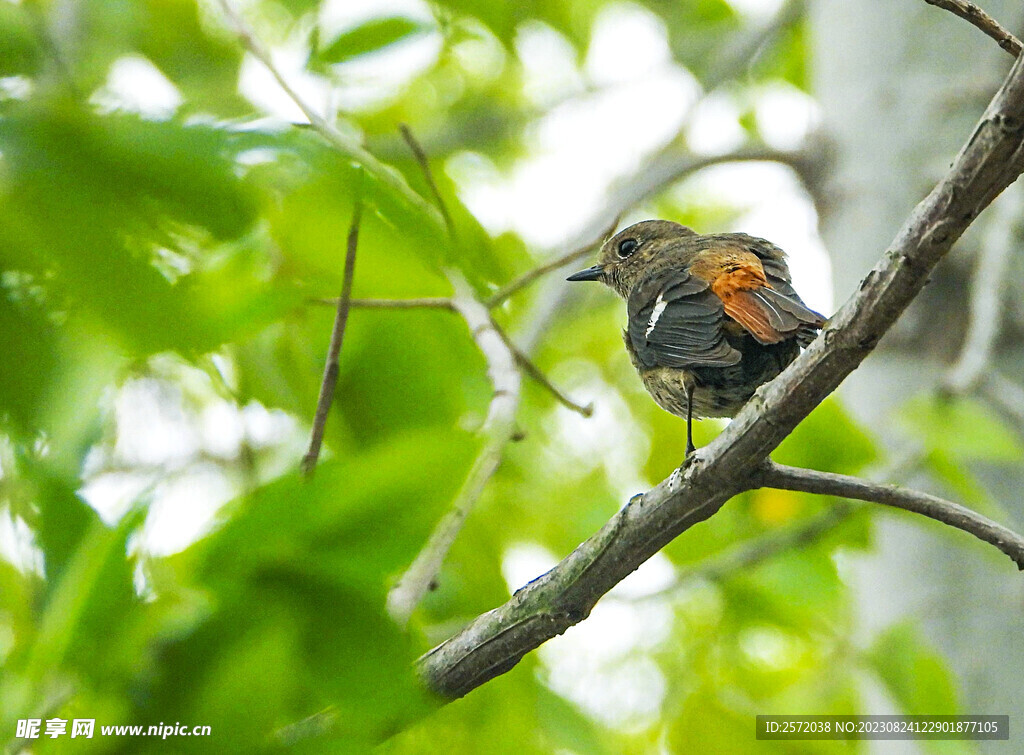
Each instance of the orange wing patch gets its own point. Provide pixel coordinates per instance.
(746, 310)
(733, 277)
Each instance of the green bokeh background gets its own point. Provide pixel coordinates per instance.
(147, 251)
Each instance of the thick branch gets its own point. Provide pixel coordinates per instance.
(497, 430)
(975, 15)
(827, 483)
(332, 367)
(497, 640)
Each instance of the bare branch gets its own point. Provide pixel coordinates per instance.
(426, 302)
(828, 483)
(527, 365)
(986, 292)
(339, 140)
(664, 169)
(751, 553)
(428, 175)
(992, 158)
(331, 368)
(498, 428)
(524, 361)
(979, 18)
(524, 280)
(775, 542)
(669, 166)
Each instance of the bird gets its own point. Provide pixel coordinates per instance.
(710, 318)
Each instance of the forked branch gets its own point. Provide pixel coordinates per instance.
(991, 159)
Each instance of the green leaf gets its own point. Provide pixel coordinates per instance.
(31, 361)
(296, 580)
(957, 477)
(567, 727)
(203, 65)
(129, 190)
(961, 427)
(371, 36)
(796, 590)
(828, 439)
(20, 50)
(90, 599)
(786, 58)
(916, 676)
(708, 724)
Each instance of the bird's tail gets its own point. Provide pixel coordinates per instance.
(771, 316)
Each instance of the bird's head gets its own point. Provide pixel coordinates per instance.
(627, 255)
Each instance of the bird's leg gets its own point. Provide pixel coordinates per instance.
(688, 386)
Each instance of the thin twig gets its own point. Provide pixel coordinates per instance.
(979, 18)
(524, 362)
(498, 428)
(524, 280)
(775, 542)
(421, 157)
(339, 140)
(426, 302)
(527, 365)
(767, 547)
(331, 368)
(742, 52)
(987, 288)
(828, 483)
(669, 166)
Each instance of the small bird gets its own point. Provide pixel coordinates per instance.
(710, 318)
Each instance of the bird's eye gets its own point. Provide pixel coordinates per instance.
(627, 247)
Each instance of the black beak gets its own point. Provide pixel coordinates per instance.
(594, 273)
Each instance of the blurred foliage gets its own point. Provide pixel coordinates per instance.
(172, 256)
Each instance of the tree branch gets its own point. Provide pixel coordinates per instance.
(828, 483)
(524, 280)
(979, 18)
(428, 175)
(524, 361)
(337, 139)
(775, 541)
(498, 428)
(668, 166)
(527, 366)
(332, 367)
(493, 643)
